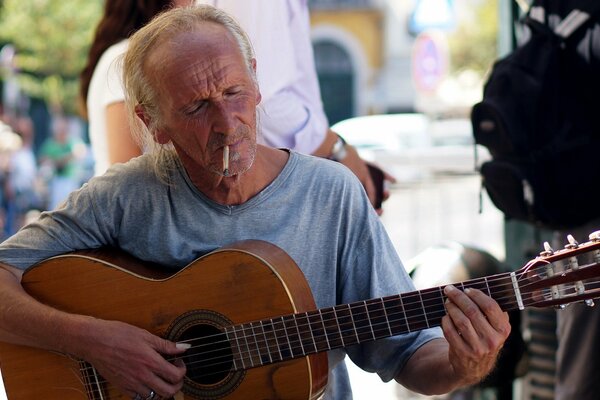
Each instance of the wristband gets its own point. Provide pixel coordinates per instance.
(338, 152)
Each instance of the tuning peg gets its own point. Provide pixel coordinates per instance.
(547, 250)
(595, 236)
(589, 303)
(573, 244)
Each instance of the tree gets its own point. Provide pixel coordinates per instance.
(51, 39)
(474, 44)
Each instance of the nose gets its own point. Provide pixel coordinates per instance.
(223, 118)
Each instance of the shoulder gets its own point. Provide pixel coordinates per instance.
(136, 176)
(320, 174)
(322, 168)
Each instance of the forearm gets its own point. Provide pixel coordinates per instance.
(25, 321)
(324, 150)
(429, 370)
(121, 144)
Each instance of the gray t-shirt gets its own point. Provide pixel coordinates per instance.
(315, 210)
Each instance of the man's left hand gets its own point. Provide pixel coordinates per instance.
(475, 328)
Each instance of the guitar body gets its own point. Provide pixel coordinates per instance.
(248, 281)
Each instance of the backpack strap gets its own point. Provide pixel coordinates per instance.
(581, 13)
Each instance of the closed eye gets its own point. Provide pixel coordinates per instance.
(196, 107)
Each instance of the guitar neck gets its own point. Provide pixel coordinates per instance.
(296, 335)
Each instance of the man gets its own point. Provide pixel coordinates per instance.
(291, 112)
(190, 78)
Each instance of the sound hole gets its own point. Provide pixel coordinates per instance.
(209, 360)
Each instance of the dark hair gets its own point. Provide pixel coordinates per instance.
(121, 19)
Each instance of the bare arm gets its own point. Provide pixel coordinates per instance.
(129, 357)
(353, 161)
(121, 145)
(475, 329)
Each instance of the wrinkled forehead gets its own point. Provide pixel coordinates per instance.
(207, 42)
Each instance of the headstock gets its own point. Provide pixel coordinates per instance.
(557, 278)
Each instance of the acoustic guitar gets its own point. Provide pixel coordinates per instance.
(248, 313)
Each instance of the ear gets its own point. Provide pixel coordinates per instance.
(158, 134)
(258, 95)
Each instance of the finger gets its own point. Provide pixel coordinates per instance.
(162, 388)
(171, 348)
(464, 312)
(460, 323)
(388, 177)
(492, 312)
(451, 332)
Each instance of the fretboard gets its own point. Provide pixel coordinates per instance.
(296, 335)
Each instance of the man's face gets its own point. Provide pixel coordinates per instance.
(207, 98)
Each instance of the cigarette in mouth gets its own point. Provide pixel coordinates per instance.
(226, 160)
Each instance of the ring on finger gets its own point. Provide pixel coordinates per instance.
(151, 395)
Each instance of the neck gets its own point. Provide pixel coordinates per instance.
(237, 189)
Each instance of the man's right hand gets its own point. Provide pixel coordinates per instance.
(134, 360)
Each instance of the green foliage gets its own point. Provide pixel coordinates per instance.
(474, 43)
(52, 38)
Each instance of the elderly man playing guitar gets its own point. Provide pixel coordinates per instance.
(208, 209)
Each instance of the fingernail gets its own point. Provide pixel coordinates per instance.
(449, 289)
(183, 346)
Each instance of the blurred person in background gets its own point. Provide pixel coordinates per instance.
(10, 142)
(22, 183)
(101, 91)
(59, 160)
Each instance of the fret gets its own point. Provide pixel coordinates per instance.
(362, 323)
(346, 324)
(252, 345)
(275, 334)
(337, 321)
(92, 381)
(413, 307)
(478, 284)
(353, 322)
(238, 358)
(404, 313)
(261, 343)
(299, 335)
(387, 320)
(378, 319)
(318, 330)
(293, 336)
(282, 339)
(306, 334)
(503, 292)
(433, 301)
(423, 308)
(332, 329)
(396, 315)
(270, 340)
(487, 285)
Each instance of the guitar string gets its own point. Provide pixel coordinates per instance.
(293, 346)
(103, 382)
(228, 363)
(419, 302)
(406, 303)
(305, 316)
